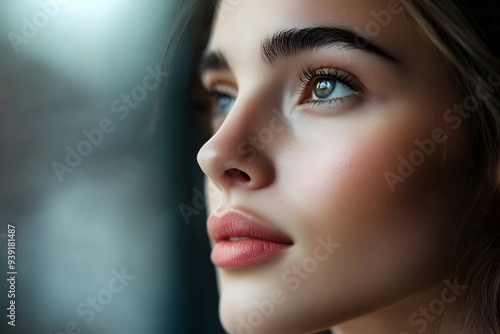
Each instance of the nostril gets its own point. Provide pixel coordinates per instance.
(233, 172)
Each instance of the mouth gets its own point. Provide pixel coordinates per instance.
(240, 240)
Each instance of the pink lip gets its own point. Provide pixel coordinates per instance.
(260, 242)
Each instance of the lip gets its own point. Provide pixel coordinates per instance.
(241, 240)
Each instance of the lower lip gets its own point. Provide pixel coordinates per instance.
(244, 253)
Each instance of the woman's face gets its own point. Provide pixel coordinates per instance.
(333, 174)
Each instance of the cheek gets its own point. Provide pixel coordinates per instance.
(401, 238)
(213, 195)
(382, 162)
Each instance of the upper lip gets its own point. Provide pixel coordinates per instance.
(235, 224)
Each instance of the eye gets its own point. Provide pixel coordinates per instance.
(327, 86)
(330, 89)
(222, 105)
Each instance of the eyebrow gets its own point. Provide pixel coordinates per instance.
(289, 42)
(213, 61)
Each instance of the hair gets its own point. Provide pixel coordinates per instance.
(464, 33)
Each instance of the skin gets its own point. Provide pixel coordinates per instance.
(322, 174)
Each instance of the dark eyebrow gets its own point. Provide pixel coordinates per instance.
(213, 61)
(289, 42)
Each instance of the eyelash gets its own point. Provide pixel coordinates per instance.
(212, 92)
(311, 75)
(307, 77)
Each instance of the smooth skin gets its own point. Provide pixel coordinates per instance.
(321, 173)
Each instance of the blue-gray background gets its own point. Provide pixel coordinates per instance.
(118, 209)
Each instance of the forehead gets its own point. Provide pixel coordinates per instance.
(247, 22)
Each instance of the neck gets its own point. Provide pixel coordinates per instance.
(430, 312)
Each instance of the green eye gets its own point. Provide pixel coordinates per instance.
(327, 87)
(324, 88)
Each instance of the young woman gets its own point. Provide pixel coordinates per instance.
(353, 171)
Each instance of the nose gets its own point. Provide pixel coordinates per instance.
(235, 156)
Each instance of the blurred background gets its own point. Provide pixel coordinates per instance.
(98, 168)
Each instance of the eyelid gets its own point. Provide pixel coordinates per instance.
(307, 75)
(211, 79)
(220, 91)
(216, 87)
